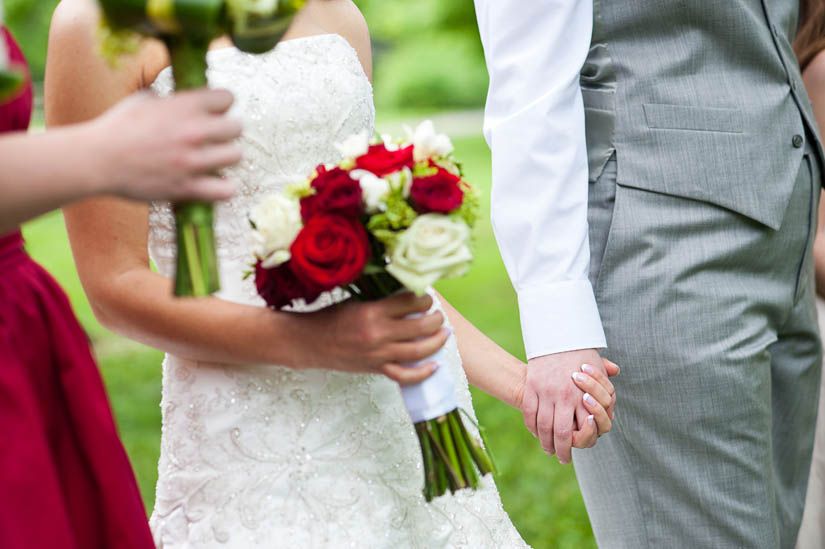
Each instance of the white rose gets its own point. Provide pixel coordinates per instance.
(427, 143)
(434, 247)
(354, 145)
(277, 221)
(374, 190)
(389, 142)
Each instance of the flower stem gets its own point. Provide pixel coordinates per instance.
(449, 448)
(430, 480)
(197, 266)
(466, 460)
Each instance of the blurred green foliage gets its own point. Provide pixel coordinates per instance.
(29, 21)
(427, 53)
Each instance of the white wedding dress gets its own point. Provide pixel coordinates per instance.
(263, 456)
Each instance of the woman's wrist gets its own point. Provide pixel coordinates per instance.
(95, 167)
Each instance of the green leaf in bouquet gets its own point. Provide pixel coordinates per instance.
(116, 43)
(385, 237)
(373, 268)
(256, 26)
(470, 207)
(424, 169)
(12, 80)
(297, 191)
(399, 214)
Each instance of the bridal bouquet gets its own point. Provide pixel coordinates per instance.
(392, 216)
(187, 27)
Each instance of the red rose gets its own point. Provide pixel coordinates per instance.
(330, 251)
(335, 192)
(279, 286)
(439, 193)
(381, 161)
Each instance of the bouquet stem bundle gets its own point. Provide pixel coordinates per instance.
(453, 458)
(196, 271)
(187, 27)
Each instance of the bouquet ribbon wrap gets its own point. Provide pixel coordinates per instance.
(435, 396)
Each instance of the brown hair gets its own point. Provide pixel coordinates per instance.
(810, 40)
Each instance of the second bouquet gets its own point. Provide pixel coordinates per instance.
(394, 215)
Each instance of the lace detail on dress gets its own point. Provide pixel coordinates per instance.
(269, 456)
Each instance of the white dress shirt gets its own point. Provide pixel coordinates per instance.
(534, 124)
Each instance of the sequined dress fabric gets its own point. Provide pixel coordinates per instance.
(266, 456)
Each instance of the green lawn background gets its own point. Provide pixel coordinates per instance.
(541, 496)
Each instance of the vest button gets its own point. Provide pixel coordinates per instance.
(797, 141)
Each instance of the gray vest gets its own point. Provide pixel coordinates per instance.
(701, 99)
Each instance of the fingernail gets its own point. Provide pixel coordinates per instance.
(591, 420)
(589, 399)
(588, 369)
(579, 377)
(435, 367)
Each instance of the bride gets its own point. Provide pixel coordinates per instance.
(316, 452)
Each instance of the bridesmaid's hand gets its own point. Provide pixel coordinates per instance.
(150, 148)
(374, 337)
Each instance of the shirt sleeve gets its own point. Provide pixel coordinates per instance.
(534, 124)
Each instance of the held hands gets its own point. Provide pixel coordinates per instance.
(151, 148)
(566, 390)
(373, 337)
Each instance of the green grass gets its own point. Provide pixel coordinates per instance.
(541, 496)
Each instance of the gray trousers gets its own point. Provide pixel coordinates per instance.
(712, 318)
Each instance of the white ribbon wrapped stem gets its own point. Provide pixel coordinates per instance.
(435, 396)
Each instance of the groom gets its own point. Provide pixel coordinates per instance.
(702, 170)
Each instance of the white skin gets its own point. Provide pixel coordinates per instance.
(109, 240)
(145, 148)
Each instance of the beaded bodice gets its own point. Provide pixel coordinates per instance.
(274, 457)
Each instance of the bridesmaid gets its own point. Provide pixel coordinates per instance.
(810, 49)
(65, 478)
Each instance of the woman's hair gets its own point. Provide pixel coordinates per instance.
(810, 39)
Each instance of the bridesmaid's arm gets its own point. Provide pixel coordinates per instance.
(41, 172)
(109, 241)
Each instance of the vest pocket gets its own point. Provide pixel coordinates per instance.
(689, 118)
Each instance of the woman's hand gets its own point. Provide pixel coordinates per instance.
(599, 399)
(150, 148)
(374, 337)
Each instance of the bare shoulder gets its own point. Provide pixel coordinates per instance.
(343, 17)
(814, 75)
(74, 22)
(80, 83)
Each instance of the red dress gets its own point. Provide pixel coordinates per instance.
(65, 480)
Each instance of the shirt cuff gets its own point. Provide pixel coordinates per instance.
(560, 317)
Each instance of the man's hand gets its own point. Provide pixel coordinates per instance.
(150, 148)
(553, 405)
